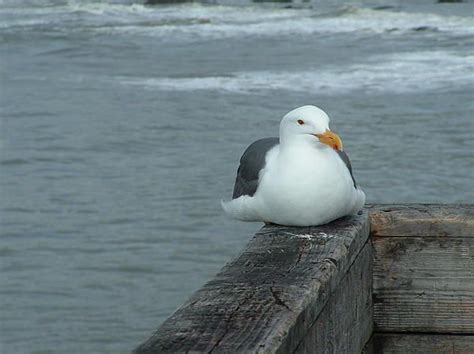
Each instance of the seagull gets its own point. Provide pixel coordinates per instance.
(302, 178)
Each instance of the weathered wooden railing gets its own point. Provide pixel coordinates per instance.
(394, 279)
(423, 281)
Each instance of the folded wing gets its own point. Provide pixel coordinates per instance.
(251, 163)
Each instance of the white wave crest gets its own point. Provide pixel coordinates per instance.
(225, 22)
(398, 73)
(190, 22)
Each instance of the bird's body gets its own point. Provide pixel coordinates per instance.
(297, 181)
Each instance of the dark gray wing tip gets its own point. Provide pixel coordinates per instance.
(251, 162)
(346, 160)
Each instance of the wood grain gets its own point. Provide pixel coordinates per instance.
(308, 289)
(388, 343)
(423, 282)
(270, 296)
(345, 324)
(441, 220)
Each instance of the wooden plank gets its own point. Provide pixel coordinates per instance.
(424, 284)
(345, 324)
(422, 220)
(268, 297)
(422, 343)
(423, 267)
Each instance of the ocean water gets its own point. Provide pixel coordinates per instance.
(122, 126)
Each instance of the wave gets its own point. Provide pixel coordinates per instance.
(198, 21)
(397, 73)
(222, 22)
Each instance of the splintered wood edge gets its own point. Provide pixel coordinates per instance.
(270, 295)
(430, 220)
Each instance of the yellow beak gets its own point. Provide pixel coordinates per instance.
(331, 139)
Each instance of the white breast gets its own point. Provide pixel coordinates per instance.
(305, 185)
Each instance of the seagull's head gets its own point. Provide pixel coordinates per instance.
(309, 122)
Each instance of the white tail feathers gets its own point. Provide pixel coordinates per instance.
(241, 208)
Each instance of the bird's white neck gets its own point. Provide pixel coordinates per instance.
(298, 141)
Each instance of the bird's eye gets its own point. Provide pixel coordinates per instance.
(300, 122)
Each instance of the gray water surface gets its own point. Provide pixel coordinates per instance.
(122, 126)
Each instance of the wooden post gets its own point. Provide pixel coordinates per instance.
(423, 278)
(291, 290)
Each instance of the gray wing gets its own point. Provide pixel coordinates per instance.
(251, 162)
(346, 160)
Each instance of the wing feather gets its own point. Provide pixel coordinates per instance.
(251, 163)
(346, 160)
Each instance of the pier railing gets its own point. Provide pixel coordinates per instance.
(391, 278)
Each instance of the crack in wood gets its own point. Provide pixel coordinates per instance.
(226, 330)
(302, 251)
(227, 322)
(420, 295)
(277, 299)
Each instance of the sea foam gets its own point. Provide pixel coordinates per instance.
(398, 72)
(191, 22)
